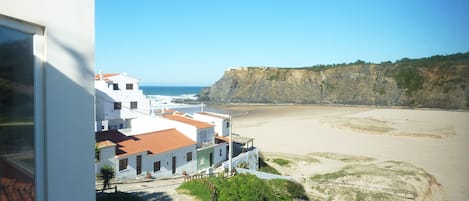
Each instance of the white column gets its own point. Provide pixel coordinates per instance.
(230, 152)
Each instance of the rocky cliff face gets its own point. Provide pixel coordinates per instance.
(438, 82)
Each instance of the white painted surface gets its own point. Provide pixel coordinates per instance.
(68, 93)
(106, 96)
(251, 158)
(219, 153)
(106, 157)
(166, 164)
(222, 126)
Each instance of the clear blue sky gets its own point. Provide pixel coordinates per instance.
(173, 42)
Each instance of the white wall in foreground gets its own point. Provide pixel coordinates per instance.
(68, 94)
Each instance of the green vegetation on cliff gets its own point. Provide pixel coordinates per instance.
(437, 81)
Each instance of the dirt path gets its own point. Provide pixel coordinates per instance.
(155, 190)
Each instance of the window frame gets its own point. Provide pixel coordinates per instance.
(155, 165)
(131, 105)
(117, 105)
(115, 87)
(129, 88)
(189, 156)
(37, 32)
(126, 160)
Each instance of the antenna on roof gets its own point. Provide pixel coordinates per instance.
(100, 74)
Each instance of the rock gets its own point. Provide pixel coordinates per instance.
(435, 82)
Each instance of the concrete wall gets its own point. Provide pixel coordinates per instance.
(67, 96)
(106, 157)
(251, 158)
(220, 154)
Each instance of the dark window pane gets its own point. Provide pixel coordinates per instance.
(117, 105)
(156, 166)
(16, 114)
(133, 105)
(123, 163)
(129, 86)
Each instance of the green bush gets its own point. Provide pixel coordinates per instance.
(281, 161)
(264, 167)
(245, 187)
(408, 78)
(288, 190)
(197, 188)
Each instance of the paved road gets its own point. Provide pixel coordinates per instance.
(155, 190)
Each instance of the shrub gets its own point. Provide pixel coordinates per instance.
(281, 161)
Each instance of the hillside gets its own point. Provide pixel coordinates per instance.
(435, 82)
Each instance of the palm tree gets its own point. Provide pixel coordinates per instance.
(107, 173)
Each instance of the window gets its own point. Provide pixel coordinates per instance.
(17, 109)
(115, 86)
(227, 124)
(117, 105)
(219, 152)
(156, 166)
(123, 164)
(129, 86)
(189, 156)
(133, 105)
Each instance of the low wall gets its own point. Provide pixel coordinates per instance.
(250, 158)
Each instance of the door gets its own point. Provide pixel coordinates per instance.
(211, 159)
(174, 164)
(139, 164)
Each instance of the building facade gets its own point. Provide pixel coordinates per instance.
(118, 101)
(47, 100)
(158, 154)
(220, 121)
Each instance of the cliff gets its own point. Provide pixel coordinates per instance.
(436, 82)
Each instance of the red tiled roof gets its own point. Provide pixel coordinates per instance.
(153, 142)
(186, 120)
(212, 115)
(96, 77)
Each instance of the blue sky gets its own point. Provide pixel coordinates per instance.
(177, 42)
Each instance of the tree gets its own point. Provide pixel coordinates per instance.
(107, 173)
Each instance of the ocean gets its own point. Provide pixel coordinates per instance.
(168, 96)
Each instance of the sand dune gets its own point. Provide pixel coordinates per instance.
(435, 140)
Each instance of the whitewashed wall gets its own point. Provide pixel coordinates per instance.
(220, 124)
(251, 158)
(68, 95)
(106, 96)
(220, 148)
(166, 163)
(106, 157)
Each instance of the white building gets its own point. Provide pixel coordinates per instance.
(47, 100)
(161, 154)
(221, 122)
(118, 100)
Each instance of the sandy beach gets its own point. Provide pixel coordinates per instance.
(434, 140)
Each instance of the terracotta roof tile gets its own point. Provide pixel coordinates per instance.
(189, 121)
(153, 142)
(104, 76)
